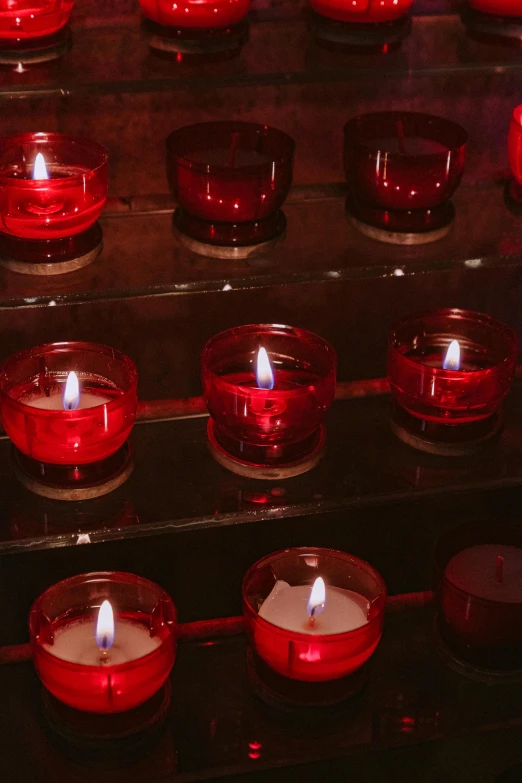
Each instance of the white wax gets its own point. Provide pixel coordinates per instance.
(76, 643)
(286, 607)
(55, 401)
(474, 571)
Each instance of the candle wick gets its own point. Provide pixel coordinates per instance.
(311, 621)
(499, 569)
(233, 149)
(399, 125)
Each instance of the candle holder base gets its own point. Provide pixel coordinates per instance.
(96, 737)
(233, 240)
(492, 29)
(50, 256)
(401, 227)
(256, 463)
(443, 439)
(488, 666)
(371, 37)
(74, 482)
(34, 51)
(165, 41)
(513, 197)
(283, 692)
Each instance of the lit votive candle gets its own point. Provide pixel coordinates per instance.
(103, 642)
(313, 614)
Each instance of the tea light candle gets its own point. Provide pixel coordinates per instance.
(93, 659)
(449, 372)
(65, 396)
(292, 608)
(267, 389)
(95, 644)
(309, 630)
(480, 593)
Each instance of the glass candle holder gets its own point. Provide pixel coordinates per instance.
(449, 372)
(53, 189)
(402, 169)
(515, 159)
(268, 427)
(230, 180)
(30, 31)
(276, 598)
(196, 27)
(77, 449)
(478, 569)
(73, 655)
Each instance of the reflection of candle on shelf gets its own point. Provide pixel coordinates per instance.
(293, 608)
(66, 397)
(103, 644)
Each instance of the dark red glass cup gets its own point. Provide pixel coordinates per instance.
(402, 169)
(362, 11)
(72, 450)
(510, 8)
(478, 571)
(194, 14)
(51, 212)
(313, 657)
(515, 154)
(259, 429)
(449, 411)
(230, 180)
(62, 625)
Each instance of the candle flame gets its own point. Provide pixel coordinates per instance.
(105, 626)
(264, 372)
(452, 358)
(71, 394)
(317, 599)
(40, 169)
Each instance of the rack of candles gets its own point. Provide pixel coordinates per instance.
(479, 598)
(196, 27)
(33, 32)
(402, 169)
(230, 180)
(54, 189)
(97, 658)
(449, 372)
(69, 409)
(267, 389)
(372, 25)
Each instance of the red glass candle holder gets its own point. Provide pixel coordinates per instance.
(69, 454)
(33, 31)
(402, 169)
(48, 225)
(514, 189)
(360, 23)
(196, 26)
(263, 432)
(478, 570)
(60, 624)
(313, 657)
(230, 180)
(449, 411)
